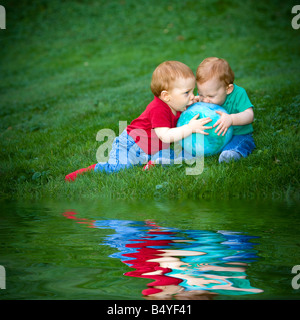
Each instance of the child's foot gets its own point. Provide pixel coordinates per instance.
(149, 165)
(72, 176)
(229, 155)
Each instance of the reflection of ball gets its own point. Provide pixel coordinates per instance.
(212, 143)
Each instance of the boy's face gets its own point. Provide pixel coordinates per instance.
(213, 91)
(181, 95)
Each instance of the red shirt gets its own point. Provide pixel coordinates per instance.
(157, 114)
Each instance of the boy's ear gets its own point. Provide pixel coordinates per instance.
(229, 88)
(164, 96)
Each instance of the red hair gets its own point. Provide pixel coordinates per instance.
(214, 67)
(166, 73)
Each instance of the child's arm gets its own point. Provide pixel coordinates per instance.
(169, 135)
(235, 119)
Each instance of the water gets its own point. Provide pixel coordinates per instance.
(138, 250)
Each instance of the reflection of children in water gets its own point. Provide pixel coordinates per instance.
(222, 267)
(186, 264)
(149, 261)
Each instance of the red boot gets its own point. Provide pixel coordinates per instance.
(149, 165)
(72, 176)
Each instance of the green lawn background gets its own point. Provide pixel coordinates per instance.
(71, 68)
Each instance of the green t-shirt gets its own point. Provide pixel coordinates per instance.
(238, 101)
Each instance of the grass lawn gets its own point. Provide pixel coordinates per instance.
(71, 68)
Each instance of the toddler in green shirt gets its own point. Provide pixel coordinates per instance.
(215, 84)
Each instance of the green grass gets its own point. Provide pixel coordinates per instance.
(69, 69)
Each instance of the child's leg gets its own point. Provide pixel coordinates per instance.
(169, 157)
(239, 146)
(164, 157)
(183, 155)
(125, 153)
(72, 176)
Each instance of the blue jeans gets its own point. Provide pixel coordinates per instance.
(243, 144)
(125, 153)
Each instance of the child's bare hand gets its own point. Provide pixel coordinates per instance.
(198, 126)
(223, 123)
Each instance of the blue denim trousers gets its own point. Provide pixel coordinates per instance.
(243, 144)
(125, 153)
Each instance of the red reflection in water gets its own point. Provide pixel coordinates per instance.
(145, 268)
(72, 215)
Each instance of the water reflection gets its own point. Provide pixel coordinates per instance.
(183, 264)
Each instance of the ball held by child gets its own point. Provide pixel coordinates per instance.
(197, 144)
